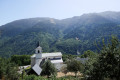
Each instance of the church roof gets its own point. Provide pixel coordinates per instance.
(39, 47)
(37, 69)
(49, 54)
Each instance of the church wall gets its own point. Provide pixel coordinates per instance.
(33, 61)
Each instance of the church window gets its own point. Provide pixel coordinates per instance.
(38, 51)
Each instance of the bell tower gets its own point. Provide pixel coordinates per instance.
(38, 51)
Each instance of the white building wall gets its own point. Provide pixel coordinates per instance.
(33, 61)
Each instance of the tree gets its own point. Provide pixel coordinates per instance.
(92, 58)
(21, 60)
(48, 69)
(64, 70)
(67, 57)
(108, 63)
(88, 67)
(89, 54)
(74, 66)
(8, 70)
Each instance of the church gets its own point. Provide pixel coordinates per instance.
(39, 58)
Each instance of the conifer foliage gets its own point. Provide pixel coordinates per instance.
(8, 70)
(108, 63)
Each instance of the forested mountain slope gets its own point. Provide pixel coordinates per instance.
(67, 35)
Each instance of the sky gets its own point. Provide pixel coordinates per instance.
(11, 10)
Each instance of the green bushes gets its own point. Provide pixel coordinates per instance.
(21, 60)
(8, 70)
(48, 69)
(74, 66)
(33, 77)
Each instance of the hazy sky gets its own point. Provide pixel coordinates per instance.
(11, 10)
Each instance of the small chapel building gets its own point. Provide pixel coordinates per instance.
(39, 58)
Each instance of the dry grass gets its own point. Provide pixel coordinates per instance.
(60, 74)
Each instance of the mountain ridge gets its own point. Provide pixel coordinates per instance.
(66, 35)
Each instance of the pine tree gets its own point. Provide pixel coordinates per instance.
(108, 63)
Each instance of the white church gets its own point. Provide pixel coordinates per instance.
(39, 58)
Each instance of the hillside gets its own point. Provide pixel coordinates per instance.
(67, 35)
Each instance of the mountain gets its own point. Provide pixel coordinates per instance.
(68, 35)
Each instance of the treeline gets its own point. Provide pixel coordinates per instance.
(21, 60)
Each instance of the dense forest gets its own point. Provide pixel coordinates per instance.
(70, 36)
